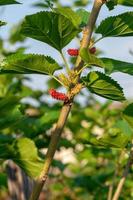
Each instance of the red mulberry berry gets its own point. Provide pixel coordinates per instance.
(92, 50)
(58, 95)
(73, 52)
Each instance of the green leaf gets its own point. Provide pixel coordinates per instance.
(112, 3)
(104, 86)
(128, 114)
(6, 2)
(51, 28)
(112, 65)
(5, 138)
(120, 25)
(125, 2)
(25, 155)
(90, 59)
(2, 23)
(31, 127)
(70, 14)
(29, 64)
(7, 103)
(5, 151)
(10, 112)
(118, 136)
(84, 15)
(3, 180)
(11, 118)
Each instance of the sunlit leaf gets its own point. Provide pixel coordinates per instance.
(112, 65)
(29, 64)
(117, 26)
(104, 86)
(51, 28)
(26, 156)
(90, 59)
(24, 153)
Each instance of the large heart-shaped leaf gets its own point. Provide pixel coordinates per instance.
(29, 64)
(49, 27)
(112, 65)
(25, 154)
(6, 2)
(128, 114)
(104, 86)
(120, 25)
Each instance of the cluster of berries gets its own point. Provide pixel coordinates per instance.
(58, 95)
(75, 52)
(61, 96)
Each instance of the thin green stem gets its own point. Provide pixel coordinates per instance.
(80, 71)
(96, 41)
(65, 61)
(54, 77)
(124, 176)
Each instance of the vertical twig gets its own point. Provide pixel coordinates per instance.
(88, 30)
(51, 151)
(87, 33)
(117, 169)
(124, 176)
(110, 192)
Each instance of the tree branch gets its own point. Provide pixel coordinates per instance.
(124, 176)
(88, 30)
(51, 151)
(87, 33)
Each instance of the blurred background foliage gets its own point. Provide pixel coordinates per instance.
(95, 142)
